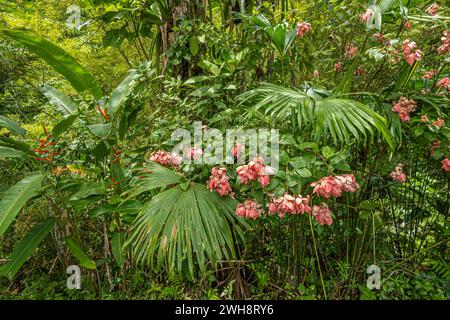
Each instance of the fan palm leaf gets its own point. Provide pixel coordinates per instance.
(342, 119)
(184, 228)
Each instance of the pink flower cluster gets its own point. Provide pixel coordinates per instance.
(445, 47)
(166, 158)
(255, 170)
(364, 17)
(444, 83)
(350, 50)
(238, 148)
(429, 74)
(404, 107)
(250, 209)
(433, 9)
(398, 174)
(409, 52)
(446, 164)
(337, 66)
(289, 204)
(438, 122)
(334, 186)
(322, 214)
(219, 181)
(303, 28)
(436, 144)
(194, 153)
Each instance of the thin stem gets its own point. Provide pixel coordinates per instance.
(317, 257)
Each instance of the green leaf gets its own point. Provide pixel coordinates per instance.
(120, 94)
(64, 124)
(16, 197)
(101, 130)
(186, 229)
(304, 173)
(91, 189)
(25, 248)
(60, 101)
(78, 252)
(11, 126)
(6, 152)
(59, 60)
(117, 242)
(153, 176)
(193, 45)
(209, 66)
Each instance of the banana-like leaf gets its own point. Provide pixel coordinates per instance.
(185, 229)
(342, 119)
(16, 197)
(59, 60)
(25, 248)
(6, 152)
(78, 252)
(11, 126)
(123, 91)
(60, 101)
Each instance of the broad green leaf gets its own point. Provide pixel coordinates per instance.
(91, 189)
(25, 248)
(16, 197)
(100, 130)
(64, 124)
(59, 60)
(78, 252)
(6, 152)
(60, 101)
(11, 126)
(122, 92)
(117, 242)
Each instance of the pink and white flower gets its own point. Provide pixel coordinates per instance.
(398, 174)
(250, 209)
(322, 214)
(219, 181)
(303, 28)
(446, 164)
(404, 107)
(166, 158)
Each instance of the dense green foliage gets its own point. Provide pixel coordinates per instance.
(88, 104)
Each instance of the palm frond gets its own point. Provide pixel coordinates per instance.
(184, 229)
(341, 119)
(152, 176)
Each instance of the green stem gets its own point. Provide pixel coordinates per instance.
(317, 257)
